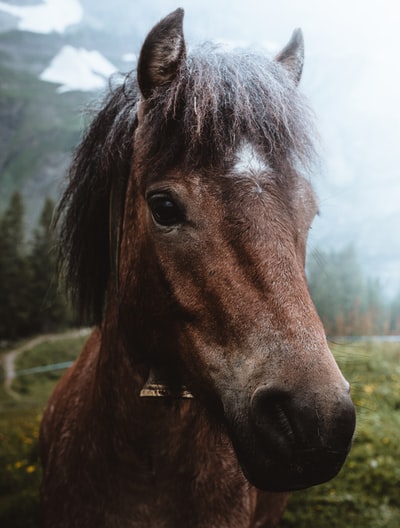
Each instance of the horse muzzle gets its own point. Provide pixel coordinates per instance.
(290, 443)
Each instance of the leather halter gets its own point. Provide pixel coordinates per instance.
(156, 387)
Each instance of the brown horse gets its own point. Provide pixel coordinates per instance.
(207, 389)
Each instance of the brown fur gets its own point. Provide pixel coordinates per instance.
(215, 299)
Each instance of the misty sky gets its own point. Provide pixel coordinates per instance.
(352, 79)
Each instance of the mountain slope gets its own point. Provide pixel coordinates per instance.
(38, 130)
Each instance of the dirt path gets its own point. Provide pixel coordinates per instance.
(9, 358)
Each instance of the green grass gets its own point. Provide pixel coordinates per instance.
(20, 472)
(366, 493)
(36, 388)
(19, 468)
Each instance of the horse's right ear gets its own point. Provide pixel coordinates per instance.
(292, 55)
(161, 54)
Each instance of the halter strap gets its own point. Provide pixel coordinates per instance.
(156, 387)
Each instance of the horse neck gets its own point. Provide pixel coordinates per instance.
(151, 437)
(118, 379)
(120, 376)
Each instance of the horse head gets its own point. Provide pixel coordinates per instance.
(212, 223)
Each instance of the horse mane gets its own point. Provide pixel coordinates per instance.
(198, 121)
(101, 162)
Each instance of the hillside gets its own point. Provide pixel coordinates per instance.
(41, 122)
(38, 126)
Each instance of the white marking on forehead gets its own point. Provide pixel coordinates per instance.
(248, 160)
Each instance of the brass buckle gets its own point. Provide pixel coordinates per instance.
(155, 387)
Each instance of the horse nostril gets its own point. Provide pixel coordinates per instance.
(306, 435)
(270, 418)
(286, 425)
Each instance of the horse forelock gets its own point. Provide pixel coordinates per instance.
(220, 99)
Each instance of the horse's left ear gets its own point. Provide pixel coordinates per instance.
(292, 55)
(162, 53)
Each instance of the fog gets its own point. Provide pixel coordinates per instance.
(351, 78)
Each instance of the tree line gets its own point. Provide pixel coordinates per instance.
(348, 301)
(31, 301)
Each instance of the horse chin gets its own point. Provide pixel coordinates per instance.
(302, 469)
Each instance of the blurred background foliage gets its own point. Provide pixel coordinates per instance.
(31, 301)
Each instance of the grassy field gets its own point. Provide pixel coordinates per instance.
(366, 494)
(19, 425)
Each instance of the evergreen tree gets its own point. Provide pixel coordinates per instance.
(335, 286)
(347, 302)
(374, 310)
(394, 316)
(48, 306)
(14, 272)
(30, 301)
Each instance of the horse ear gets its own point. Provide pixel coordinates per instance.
(292, 55)
(162, 53)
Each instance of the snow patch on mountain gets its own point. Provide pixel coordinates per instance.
(47, 16)
(78, 69)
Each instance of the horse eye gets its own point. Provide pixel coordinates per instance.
(165, 211)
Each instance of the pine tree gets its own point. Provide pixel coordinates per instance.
(48, 306)
(394, 315)
(347, 302)
(14, 272)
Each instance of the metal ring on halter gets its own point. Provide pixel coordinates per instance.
(161, 390)
(156, 387)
